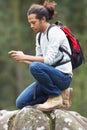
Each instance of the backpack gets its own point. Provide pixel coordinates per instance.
(76, 56)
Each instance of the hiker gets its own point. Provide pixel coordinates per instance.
(51, 89)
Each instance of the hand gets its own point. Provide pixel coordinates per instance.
(17, 55)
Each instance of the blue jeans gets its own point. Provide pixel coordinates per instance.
(49, 82)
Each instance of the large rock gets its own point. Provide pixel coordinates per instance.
(30, 118)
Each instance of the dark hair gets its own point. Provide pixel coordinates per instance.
(47, 10)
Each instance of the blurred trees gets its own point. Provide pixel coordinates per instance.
(15, 34)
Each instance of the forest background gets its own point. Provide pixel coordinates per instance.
(15, 34)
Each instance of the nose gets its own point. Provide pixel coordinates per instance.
(32, 25)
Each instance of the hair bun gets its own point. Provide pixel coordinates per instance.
(50, 6)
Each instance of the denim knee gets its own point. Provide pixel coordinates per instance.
(19, 104)
(34, 66)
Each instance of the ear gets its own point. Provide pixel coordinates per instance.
(43, 19)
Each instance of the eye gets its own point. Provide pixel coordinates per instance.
(33, 22)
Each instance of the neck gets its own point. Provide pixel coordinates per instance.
(45, 27)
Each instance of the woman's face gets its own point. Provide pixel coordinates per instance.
(36, 24)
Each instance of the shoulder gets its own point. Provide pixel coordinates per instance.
(56, 31)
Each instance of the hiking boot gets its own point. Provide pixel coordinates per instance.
(51, 103)
(66, 95)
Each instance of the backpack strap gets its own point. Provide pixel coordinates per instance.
(39, 36)
(51, 25)
(60, 62)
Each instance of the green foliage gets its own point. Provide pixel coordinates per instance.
(15, 34)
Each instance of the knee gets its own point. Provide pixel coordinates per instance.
(19, 104)
(34, 66)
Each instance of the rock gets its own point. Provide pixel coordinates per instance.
(66, 120)
(30, 118)
(4, 118)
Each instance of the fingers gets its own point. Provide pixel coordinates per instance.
(15, 52)
(12, 52)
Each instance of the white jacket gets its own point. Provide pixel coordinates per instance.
(49, 49)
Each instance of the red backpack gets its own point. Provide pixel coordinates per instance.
(76, 56)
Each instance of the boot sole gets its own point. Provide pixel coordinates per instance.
(49, 109)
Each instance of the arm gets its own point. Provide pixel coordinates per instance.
(21, 57)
